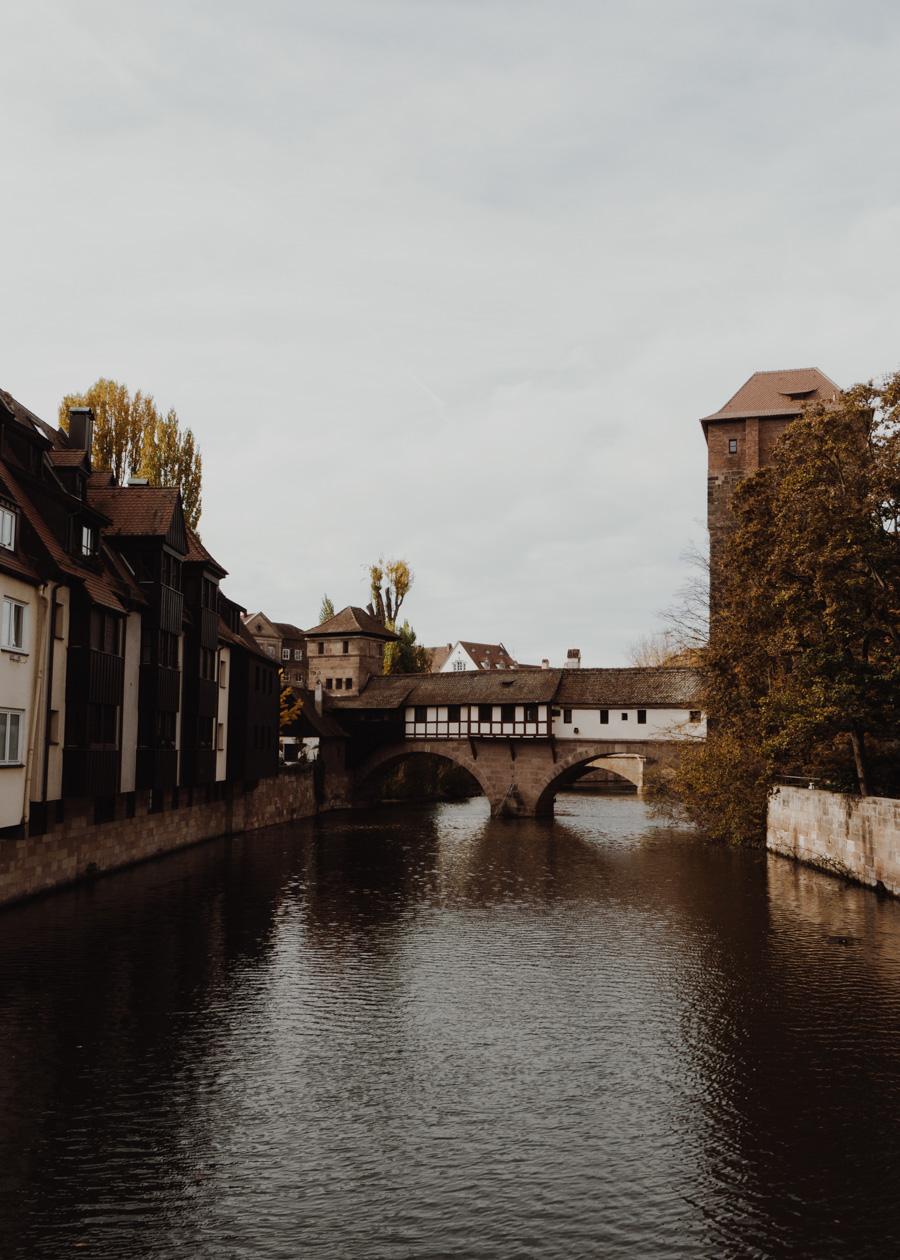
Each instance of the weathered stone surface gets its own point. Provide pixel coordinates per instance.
(855, 837)
(78, 847)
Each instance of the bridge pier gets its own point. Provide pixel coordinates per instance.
(519, 778)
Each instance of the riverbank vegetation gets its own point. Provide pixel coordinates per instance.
(803, 663)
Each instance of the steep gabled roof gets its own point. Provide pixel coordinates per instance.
(287, 631)
(352, 620)
(781, 393)
(141, 512)
(29, 420)
(197, 554)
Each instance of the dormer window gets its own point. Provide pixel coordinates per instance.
(7, 529)
(88, 540)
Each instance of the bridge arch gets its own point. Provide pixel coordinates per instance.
(384, 759)
(570, 767)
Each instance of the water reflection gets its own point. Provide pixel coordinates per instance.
(422, 1032)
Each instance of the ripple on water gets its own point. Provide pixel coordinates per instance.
(421, 1032)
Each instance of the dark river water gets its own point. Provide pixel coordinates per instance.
(421, 1033)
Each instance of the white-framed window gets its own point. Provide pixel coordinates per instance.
(298, 654)
(88, 540)
(13, 629)
(10, 737)
(459, 665)
(285, 654)
(7, 529)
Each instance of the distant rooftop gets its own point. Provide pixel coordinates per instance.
(780, 393)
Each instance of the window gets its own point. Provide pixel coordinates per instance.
(88, 540)
(732, 446)
(7, 529)
(298, 654)
(642, 717)
(452, 712)
(531, 713)
(460, 665)
(567, 715)
(270, 649)
(695, 715)
(346, 647)
(10, 733)
(507, 713)
(220, 736)
(104, 631)
(624, 717)
(285, 654)
(421, 713)
(348, 683)
(321, 649)
(13, 625)
(604, 717)
(329, 683)
(339, 684)
(485, 712)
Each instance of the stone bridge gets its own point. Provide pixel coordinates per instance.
(519, 778)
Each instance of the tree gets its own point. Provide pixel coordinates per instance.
(804, 657)
(289, 709)
(132, 439)
(390, 584)
(326, 612)
(405, 656)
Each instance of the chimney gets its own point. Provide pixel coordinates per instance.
(545, 664)
(573, 660)
(81, 429)
(319, 698)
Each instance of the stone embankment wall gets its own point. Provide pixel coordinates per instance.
(145, 825)
(856, 837)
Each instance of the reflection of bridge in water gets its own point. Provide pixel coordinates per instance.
(522, 734)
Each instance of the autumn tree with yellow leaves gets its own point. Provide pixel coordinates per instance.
(133, 439)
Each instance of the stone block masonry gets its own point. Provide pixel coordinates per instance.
(855, 837)
(143, 825)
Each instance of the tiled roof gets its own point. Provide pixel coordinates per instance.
(352, 620)
(382, 691)
(197, 553)
(322, 724)
(29, 419)
(675, 688)
(596, 688)
(777, 394)
(135, 511)
(288, 631)
(68, 459)
(437, 656)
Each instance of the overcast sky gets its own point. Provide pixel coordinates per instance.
(451, 280)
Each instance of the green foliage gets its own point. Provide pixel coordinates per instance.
(132, 439)
(326, 612)
(405, 656)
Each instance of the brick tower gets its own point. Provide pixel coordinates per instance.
(741, 435)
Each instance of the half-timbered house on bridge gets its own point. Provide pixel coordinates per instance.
(522, 735)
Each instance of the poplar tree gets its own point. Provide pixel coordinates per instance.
(132, 439)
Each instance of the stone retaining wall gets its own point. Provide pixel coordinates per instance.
(856, 837)
(78, 846)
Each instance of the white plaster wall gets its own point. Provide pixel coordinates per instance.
(17, 677)
(132, 670)
(660, 724)
(459, 653)
(224, 676)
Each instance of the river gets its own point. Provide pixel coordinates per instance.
(418, 1033)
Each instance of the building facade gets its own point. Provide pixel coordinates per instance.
(120, 671)
(345, 651)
